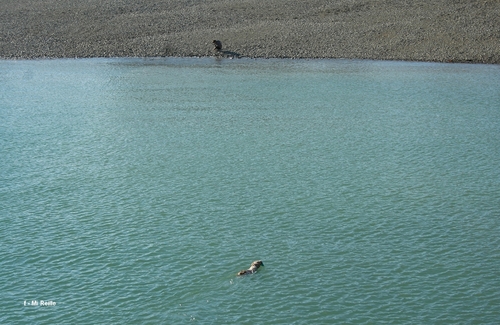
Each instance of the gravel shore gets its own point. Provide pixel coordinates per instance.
(420, 30)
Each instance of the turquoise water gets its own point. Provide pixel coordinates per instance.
(133, 190)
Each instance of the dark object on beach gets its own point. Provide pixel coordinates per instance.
(217, 45)
(253, 268)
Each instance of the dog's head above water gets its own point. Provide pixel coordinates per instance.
(253, 268)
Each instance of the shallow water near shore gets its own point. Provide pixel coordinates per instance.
(133, 191)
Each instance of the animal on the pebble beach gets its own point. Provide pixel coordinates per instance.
(217, 45)
(253, 268)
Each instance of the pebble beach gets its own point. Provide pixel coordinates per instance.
(437, 31)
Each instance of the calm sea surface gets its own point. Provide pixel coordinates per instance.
(133, 190)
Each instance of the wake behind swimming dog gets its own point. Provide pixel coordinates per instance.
(253, 268)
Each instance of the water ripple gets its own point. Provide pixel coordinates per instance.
(138, 198)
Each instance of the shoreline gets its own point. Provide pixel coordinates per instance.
(165, 58)
(444, 31)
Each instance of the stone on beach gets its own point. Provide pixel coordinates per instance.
(441, 30)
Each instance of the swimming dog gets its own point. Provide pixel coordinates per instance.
(253, 268)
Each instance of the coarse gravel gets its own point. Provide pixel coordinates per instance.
(420, 30)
